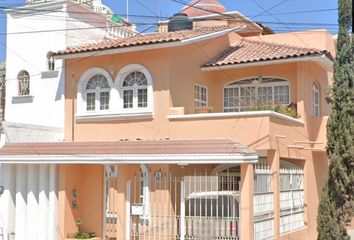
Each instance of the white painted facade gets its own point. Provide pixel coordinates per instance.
(32, 32)
(28, 206)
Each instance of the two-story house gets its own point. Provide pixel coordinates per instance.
(207, 132)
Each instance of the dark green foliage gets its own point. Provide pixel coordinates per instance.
(338, 195)
(84, 235)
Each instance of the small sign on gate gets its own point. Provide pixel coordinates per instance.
(137, 209)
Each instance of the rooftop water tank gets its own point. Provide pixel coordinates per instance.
(180, 21)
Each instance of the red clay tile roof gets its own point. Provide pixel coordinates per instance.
(148, 39)
(138, 147)
(249, 50)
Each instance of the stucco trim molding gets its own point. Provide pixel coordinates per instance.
(22, 99)
(113, 117)
(234, 114)
(182, 159)
(50, 74)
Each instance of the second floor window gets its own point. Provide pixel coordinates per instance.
(316, 100)
(97, 93)
(200, 96)
(255, 92)
(135, 91)
(23, 84)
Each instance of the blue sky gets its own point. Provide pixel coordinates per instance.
(287, 16)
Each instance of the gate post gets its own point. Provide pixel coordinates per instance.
(182, 215)
(127, 226)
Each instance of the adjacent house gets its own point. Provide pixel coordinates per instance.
(210, 131)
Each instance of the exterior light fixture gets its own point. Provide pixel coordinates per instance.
(75, 193)
(112, 69)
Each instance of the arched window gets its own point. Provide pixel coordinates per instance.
(23, 83)
(251, 92)
(97, 93)
(135, 89)
(135, 86)
(316, 100)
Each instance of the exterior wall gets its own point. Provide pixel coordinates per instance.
(88, 180)
(47, 88)
(175, 71)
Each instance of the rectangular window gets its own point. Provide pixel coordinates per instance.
(104, 100)
(90, 101)
(200, 96)
(142, 98)
(128, 98)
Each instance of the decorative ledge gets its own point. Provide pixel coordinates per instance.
(234, 114)
(22, 99)
(50, 74)
(113, 117)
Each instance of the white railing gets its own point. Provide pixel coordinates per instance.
(116, 30)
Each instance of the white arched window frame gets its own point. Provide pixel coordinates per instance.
(97, 93)
(132, 92)
(145, 191)
(83, 92)
(316, 99)
(241, 94)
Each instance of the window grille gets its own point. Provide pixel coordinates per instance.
(24, 84)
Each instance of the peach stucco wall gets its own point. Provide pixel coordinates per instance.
(175, 71)
(88, 180)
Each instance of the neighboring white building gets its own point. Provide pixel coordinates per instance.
(35, 82)
(35, 103)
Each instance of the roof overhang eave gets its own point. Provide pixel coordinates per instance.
(321, 60)
(182, 159)
(148, 46)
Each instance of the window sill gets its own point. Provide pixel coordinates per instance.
(98, 117)
(22, 99)
(50, 74)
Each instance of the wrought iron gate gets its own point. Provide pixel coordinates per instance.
(188, 207)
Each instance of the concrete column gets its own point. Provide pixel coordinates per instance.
(43, 202)
(32, 201)
(53, 203)
(7, 200)
(21, 202)
(247, 201)
(274, 162)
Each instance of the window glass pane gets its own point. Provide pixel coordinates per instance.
(90, 100)
(142, 98)
(128, 98)
(137, 78)
(265, 96)
(248, 96)
(281, 94)
(97, 81)
(104, 100)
